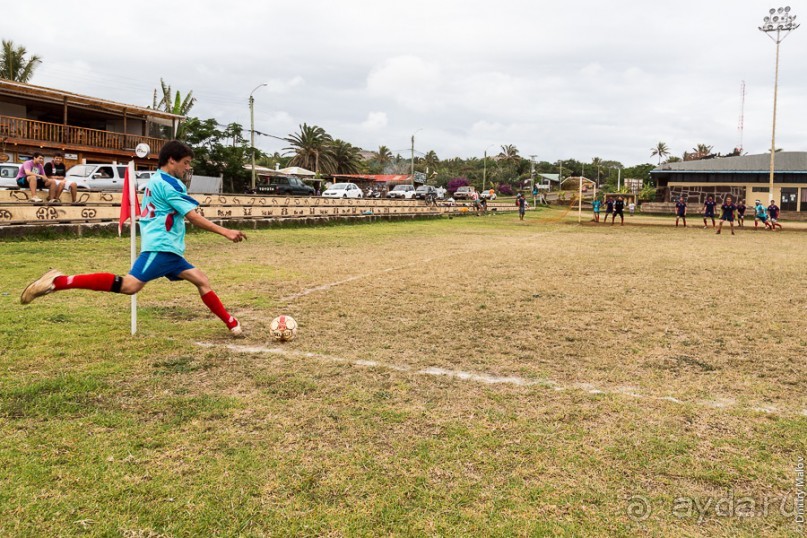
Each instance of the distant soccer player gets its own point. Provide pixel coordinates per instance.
(681, 211)
(728, 208)
(619, 207)
(709, 211)
(595, 206)
(741, 213)
(521, 202)
(163, 210)
(609, 208)
(773, 216)
(760, 214)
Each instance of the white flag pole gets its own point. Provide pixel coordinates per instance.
(133, 211)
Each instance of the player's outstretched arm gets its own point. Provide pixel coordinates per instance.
(200, 222)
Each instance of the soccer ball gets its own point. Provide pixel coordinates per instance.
(283, 328)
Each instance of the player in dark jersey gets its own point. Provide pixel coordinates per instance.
(773, 214)
(709, 211)
(728, 208)
(681, 211)
(741, 213)
(609, 208)
(619, 206)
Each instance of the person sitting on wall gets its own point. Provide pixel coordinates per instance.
(56, 172)
(32, 176)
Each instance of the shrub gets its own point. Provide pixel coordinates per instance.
(505, 189)
(456, 183)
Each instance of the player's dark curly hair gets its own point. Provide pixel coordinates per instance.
(174, 149)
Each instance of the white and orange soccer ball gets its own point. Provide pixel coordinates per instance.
(283, 328)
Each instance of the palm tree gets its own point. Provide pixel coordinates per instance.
(509, 154)
(661, 149)
(311, 149)
(596, 162)
(702, 151)
(174, 104)
(383, 155)
(347, 157)
(13, 64)
(431, 160)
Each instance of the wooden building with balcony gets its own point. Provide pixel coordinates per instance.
(86, 129)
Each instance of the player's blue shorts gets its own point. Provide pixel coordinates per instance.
(152, 265)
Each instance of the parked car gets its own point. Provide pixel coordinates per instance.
(489, 194)
(98, 177)
(8, 175)
(343, 190)
(286, 186)
(464, 193)
(406, 192)
(426, 190)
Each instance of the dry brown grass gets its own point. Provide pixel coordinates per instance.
(641, 361)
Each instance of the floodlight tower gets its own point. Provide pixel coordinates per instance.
(779, 22)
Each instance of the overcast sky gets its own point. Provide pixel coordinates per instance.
(556, 79)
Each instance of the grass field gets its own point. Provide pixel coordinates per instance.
(463, 377)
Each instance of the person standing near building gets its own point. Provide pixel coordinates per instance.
(728, 208)
(741, 213)
(631, 207)
(163, 211)
(619, 207)
(32, 176)
(609, 208)
(773, 215)
(681, 211)
(521, 202)
(709, 211)
(595, 206)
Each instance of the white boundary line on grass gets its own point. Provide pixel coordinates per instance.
(489, 379)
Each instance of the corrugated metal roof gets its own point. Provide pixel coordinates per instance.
(785, 161)
(19, 89)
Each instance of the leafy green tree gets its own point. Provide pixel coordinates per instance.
(431, 160)
(311, 148)
(216, 153)
(14, 65)
(661, 149)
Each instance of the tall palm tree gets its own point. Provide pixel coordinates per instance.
(383, 155)
(661, 149)
(174, 104)
(14, 65)
(702, 151)
(347, 157)
(312, 149)
(509, 154)
(596, 162)
(431, 160)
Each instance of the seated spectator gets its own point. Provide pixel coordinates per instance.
(32, 176)
(56, 172)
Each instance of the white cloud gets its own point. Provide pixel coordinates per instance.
(375, 121)
(408, 80)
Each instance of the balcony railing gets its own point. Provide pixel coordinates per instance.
(56, 133)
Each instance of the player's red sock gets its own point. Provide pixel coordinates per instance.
(214, 304)
(93, 281)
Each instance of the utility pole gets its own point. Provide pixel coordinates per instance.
(532, 178)
(252, 129)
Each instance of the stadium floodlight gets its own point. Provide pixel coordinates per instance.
(777, 25)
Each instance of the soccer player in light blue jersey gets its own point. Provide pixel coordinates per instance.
(163, 211)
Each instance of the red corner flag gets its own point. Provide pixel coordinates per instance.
(126, 204)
